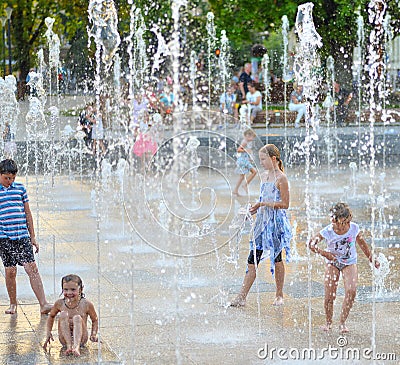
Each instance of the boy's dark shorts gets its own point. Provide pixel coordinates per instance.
(16, 252)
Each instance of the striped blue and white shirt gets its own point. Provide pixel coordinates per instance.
(13, 224)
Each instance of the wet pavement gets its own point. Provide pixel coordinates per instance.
(159, 306)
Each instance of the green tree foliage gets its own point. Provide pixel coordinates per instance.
(246, 23)
(335, 21)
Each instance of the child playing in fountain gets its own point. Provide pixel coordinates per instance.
(244, 164)
(272, 231)
(74, 310)
(17, 237)
(341, 237)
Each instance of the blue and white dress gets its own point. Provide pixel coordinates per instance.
(244, 161)
(272, 231)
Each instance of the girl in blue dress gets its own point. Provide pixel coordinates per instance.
(272, 231)
(244, 162)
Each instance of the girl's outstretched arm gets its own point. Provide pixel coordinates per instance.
(95, 322)
(50, 321)
(313, 244)
(242, 146)
(364, 247)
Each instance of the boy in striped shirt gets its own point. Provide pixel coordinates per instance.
(17, 237)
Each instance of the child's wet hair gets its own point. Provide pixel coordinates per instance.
(271, 150)
(8, 166)
(249, 132)
(341, 211)
(75, 279)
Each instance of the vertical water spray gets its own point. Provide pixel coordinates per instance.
(53, 42)
(360, 66)
(34, 118)
(104, 29)
(266, 78)
(117, 93)
(306, 61)
(210, 46)
(193, 71)
(175, 55)
(138, 62)
(328, 104)
(9, 108)
(41, 63)
(211, 39)
(54, 121)
(388, 38)
(224, 66)
(285, 74)
(376, 74)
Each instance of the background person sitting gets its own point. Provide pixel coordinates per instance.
(296, 105)
(253, 101)
(227, 102)
(342, 101)
(167, 101)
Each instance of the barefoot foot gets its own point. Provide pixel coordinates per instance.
(326, 328)
(68, 351)
(12, 309)
(278, 301)
(343, 328)
(76, 351)
(46, 308)
(238, 302)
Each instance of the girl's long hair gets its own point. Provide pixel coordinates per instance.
(271, 150)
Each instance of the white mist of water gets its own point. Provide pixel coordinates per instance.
(53, 42)
(359, 66)
(266, 79)
(376, 73)
(286, 77)
(210, 47)
(306, 60)
(104, 29)
(328, 105)
(380, 275)
(9, 108)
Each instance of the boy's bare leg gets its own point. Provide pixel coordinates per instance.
(236, 189)
(37, 286)
(350, 278)
(11, 285)
(279, 281)
(330, 284)
(248, 281)
(64, 332)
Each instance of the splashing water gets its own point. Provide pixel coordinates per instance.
(9, 108)
(306, 62)
(37, 101)
(307, 58)
(353, 182)
(381, 274)
(54, 44)
(162, 49)
(103, 16)
(266, 79)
